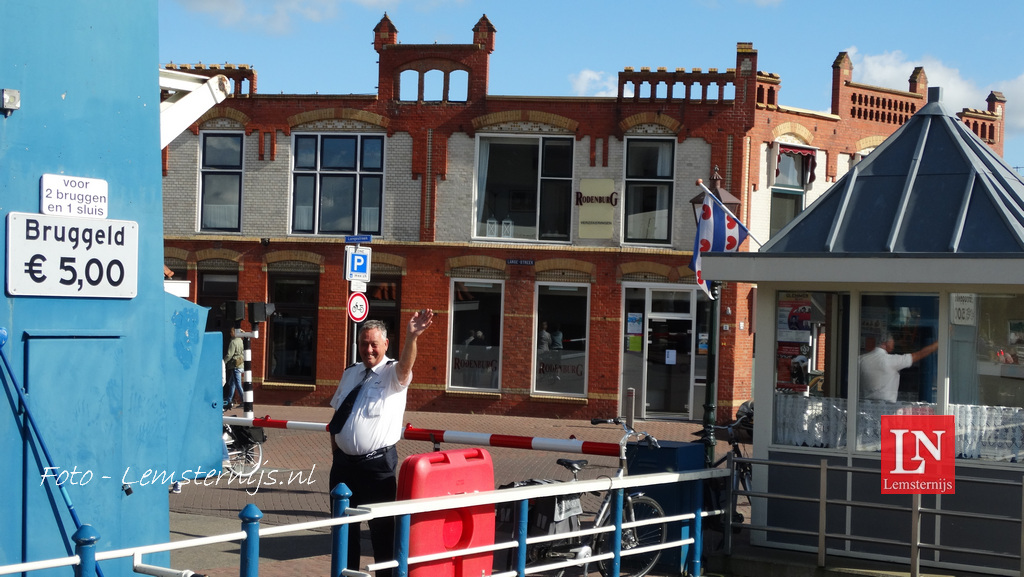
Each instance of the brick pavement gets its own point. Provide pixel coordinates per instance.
(304, 456)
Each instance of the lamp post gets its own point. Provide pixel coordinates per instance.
(712, 310)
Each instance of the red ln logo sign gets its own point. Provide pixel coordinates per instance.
(918, 454)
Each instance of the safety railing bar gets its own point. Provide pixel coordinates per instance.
(569, 534)
(172, 546)
(323, 523)
(945, 548)
(37, 565)
(786, 530)
(798, 498)
(505, 574)
(969, 515)
(455, 553)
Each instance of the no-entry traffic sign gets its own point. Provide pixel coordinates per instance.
(358, 307)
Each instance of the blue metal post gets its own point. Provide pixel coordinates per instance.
(402, 545)
(695, 551)
(522, 526)
(250, 516)
(340, 496)
(85, 547)
(617, 534)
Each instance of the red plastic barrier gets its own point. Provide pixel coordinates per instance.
(449, 473)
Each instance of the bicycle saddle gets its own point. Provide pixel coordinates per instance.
(572, 465)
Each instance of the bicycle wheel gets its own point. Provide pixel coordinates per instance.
(245, 458)
(643, 509)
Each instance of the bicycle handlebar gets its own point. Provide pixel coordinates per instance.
(630, 432)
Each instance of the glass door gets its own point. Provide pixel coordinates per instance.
(668, 364)
(660, 347)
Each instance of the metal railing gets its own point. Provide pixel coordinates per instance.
(915, 510)
(688, 540)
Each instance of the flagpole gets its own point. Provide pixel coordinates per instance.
(707, 190)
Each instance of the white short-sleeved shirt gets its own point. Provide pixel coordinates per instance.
(376, 419)
(880, 374)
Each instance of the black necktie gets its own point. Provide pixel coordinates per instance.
(345, 408)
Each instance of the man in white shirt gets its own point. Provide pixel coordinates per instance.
(369, 406)
(880, 369)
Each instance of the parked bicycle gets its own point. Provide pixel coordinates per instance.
(722, 493)
(566, 514)
(245, 448)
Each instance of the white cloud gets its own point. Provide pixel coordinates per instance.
(893, 70)
(593, 83)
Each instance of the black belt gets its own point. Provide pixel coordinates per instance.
(375, 454)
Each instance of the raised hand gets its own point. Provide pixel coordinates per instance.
(420, 321)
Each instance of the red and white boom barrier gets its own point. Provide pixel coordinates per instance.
(458, 437)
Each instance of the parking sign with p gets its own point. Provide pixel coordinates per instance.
(357, 263)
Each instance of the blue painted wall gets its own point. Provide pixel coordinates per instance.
(118, 386)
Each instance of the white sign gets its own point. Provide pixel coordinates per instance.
(71, 257)
(963, 309)
(73, 196)
(357, 263)
(358, 307)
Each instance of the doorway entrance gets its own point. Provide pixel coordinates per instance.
(664, 355)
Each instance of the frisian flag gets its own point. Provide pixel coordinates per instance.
(718, 230)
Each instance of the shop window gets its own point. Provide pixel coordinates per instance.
(986, 369)
(897, 374)
(524, 188)
(221, 181)
(810, 369)
(291, 331)
(561, 351)
(648, 199)
(476, 334)
(338, 184)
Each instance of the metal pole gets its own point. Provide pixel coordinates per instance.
(822, 500)
(85, 539)
(915, 535)
(711, 384)
(250, 564)
(340, 496)
(402, 545)
(630, 406)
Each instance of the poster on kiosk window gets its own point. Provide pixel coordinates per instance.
(793, 351)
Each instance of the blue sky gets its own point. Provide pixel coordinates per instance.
(576, 48)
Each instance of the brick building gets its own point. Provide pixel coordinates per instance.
(552, 234)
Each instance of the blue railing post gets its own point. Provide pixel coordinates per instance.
(250, 565)
(85, 547)
(522, 526)
(617, 534)
(695, 551)
(404, 527)
(340, 496)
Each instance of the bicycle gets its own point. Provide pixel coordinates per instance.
(718, 496)
(245, 448)
(636, 507)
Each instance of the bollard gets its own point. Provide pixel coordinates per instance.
(250, 565)
(85, 547)
(340, 496)
(630, 406)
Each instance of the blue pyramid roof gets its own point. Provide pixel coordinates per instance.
(932, 188)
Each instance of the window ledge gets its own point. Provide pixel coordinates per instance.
(288, 386)
(473, 394)
(559, 399)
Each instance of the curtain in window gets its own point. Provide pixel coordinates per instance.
(481, 185)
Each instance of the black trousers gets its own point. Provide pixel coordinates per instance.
(371, 480)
